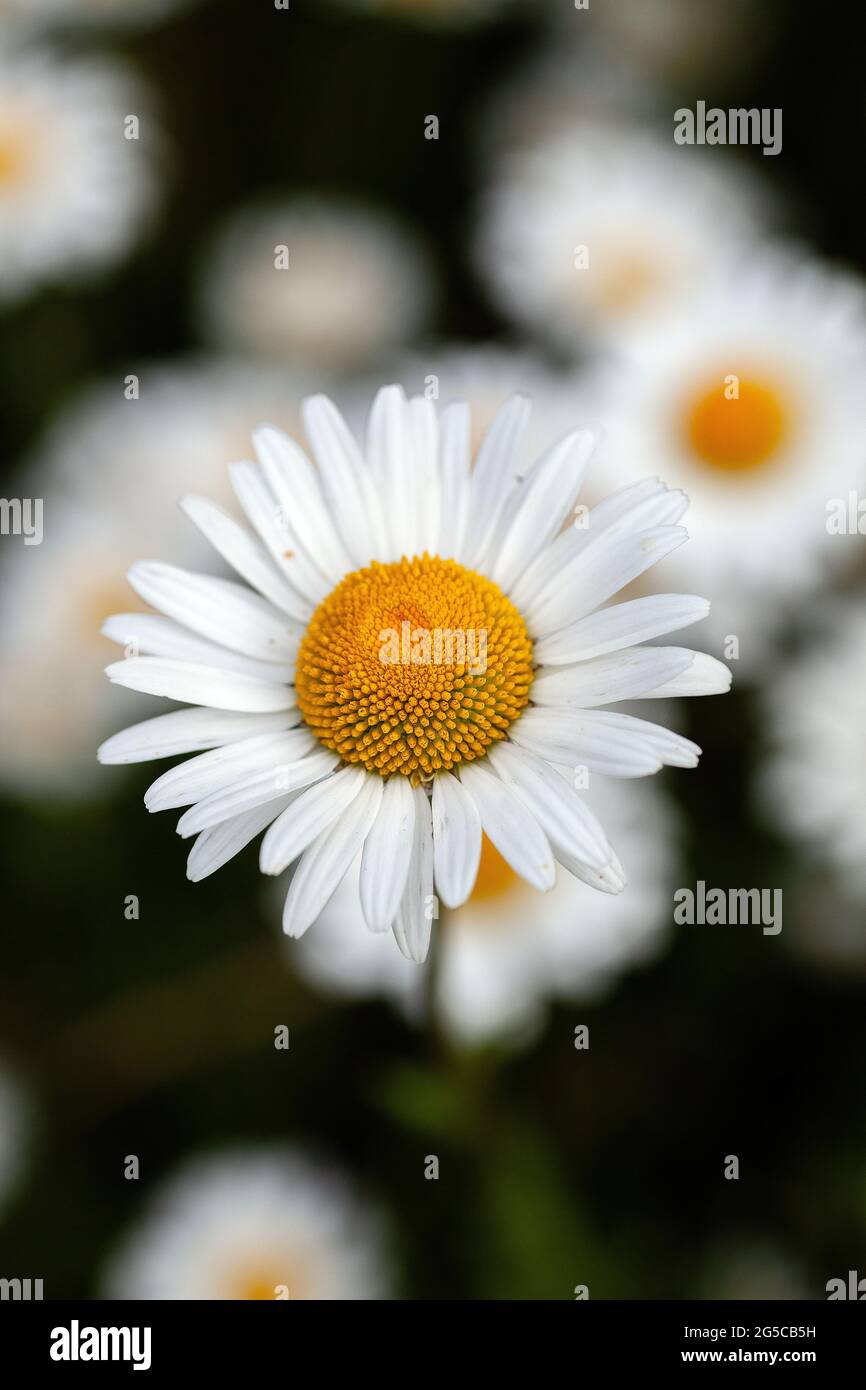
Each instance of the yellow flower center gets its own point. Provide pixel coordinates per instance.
(413, 667)
(736, 427)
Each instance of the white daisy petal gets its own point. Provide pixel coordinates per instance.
(312, 812)
(495, 473)
(511, 827)
(211, 772)
(388, 455)
(703, 675)
(217, 609)
(216, 846)
(622, 625)
(346, 480)
(455, 451)
(322, 867)
(188, 731)
(245, 555)
(255, 790)
(274, 526)
(645, 504)
(456, 839)
(605, 680)
(414, 920)
(564, 816)
(200, 685)
(424, 429)
(598, 572)
(386, 855)
(547, 498)
(294, 483)
(149, 634)
(616, 745)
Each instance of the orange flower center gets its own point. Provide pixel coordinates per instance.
(736, 426)
(413, 667)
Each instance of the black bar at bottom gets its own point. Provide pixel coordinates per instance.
(233, 1338)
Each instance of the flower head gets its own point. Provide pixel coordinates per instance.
(421, 648)
(74, 192)
(253, 1224)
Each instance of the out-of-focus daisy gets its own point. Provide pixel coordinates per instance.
(253, 1224)
(95, 13)
(420, 645)
(507, 951)
(316, 281)
(751, 400)
(814, 784)
(75, 191)
(598, 230)
(448, 13)
(109, 475)
(14, 1127)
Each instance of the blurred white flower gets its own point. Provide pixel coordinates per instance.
(34, 14)
(14, 1129)
(597, 231)
(813, 784)
(507, 952)
(751, 400)
(75, 192)
(315, 281)
(253, 1224)
(110, 473)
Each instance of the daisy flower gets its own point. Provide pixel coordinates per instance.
(74, 191)
(315, 280)
(14, 1127)
(507, 951)
(253, 1224)
(597, 230)
(751, 399)
(416, 646)
(109, 474)
(814, 782)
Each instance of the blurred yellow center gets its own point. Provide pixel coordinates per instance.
(413, 666)
(736, 428)
(13, 157)
(258, 1282)
(19, 147)
(624, 280)
(496, 878)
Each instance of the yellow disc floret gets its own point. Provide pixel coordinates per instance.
(737, 429)
(413, 667)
